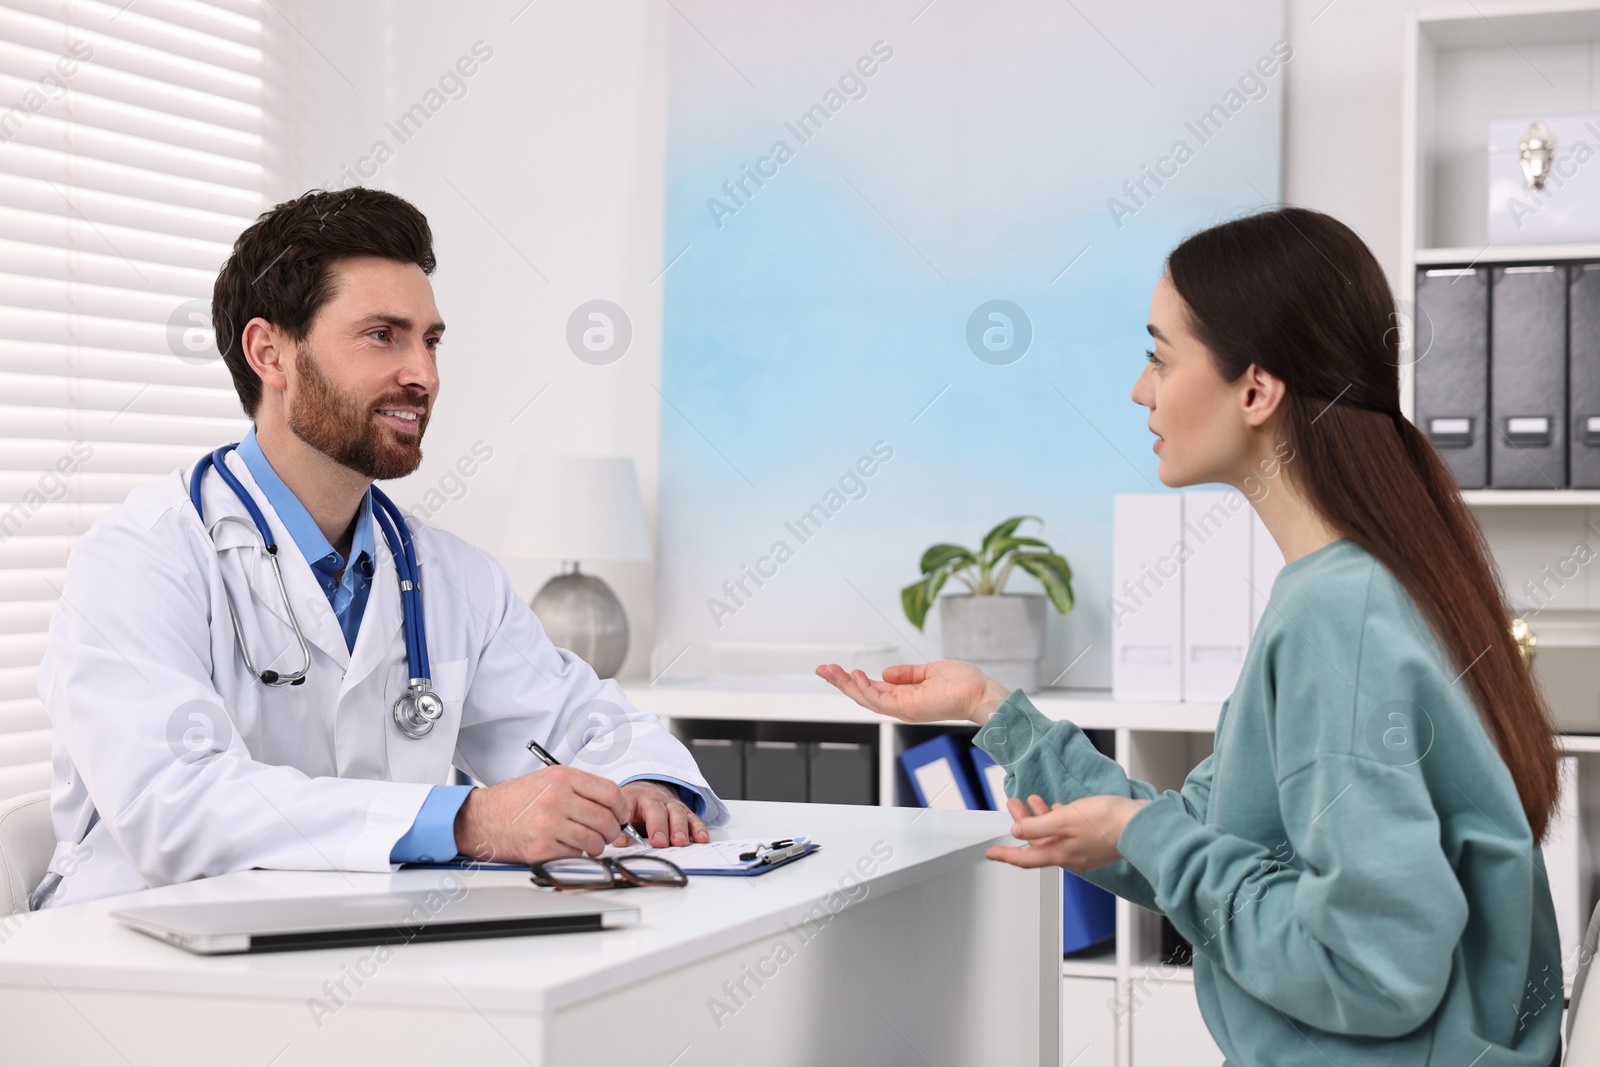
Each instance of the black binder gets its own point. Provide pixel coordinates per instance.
(841, 773)
(774, 770)
(1528, 378)
(722, 764)
(1452, 368)
(1583, 361)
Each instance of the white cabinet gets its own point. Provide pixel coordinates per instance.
(1166, 1027)
(1154, 1023)
(1088, 1022)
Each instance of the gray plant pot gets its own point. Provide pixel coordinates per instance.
(1003, 636)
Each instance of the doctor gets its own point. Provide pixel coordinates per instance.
(175, 759)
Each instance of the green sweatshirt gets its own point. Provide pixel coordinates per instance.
(1351, 863)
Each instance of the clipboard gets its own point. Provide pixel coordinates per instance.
(730, 859)
(760, 868)
(692, 863)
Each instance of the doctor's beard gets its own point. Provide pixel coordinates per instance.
(341, 428)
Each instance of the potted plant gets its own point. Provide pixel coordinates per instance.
(1001, 633)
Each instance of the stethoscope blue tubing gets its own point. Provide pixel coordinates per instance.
(389, 518)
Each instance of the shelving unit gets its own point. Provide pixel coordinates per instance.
(1532, 498)
(1463, 67)
(1100, 964)
(1488, 255)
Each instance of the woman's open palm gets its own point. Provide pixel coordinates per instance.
(921, 692)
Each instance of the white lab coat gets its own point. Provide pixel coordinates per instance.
(171, 762)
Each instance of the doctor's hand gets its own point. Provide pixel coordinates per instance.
(1079, 836)
(922, 692)
(557, 811)
(658, 811)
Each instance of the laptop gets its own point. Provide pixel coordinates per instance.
(281, 923)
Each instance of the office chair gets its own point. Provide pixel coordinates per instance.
(1583, 1013)
(27, 841)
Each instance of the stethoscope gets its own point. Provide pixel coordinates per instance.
(419, 707)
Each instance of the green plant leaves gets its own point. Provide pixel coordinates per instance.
(942, 555)
(1004, 530)
(1054, 573)
(938, 563)
(1002, 550)
(997, 551)
(918, 597)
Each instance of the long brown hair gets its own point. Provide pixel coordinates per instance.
(1298, 294)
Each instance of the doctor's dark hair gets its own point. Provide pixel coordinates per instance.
(280, 269)
(1296, 293)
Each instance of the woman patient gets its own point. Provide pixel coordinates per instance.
(1356, 865)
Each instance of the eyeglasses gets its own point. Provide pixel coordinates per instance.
(607, 872)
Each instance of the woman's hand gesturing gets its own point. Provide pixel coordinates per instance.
(1079, 836)
(922, 692)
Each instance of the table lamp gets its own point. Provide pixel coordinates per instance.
(575, 508)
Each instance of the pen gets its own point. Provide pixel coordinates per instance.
(775, 852)
(550, 761)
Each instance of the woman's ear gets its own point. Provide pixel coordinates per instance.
(1261, 393)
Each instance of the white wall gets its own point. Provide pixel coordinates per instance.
(544, 186)
(555, 155)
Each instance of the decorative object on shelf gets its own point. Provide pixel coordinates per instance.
(1564, 659)
(1538, 150)
(1544, 183)
(1001, 633)
(1527, 641)
(573, 508)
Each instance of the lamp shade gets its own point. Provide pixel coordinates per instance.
(575, 508)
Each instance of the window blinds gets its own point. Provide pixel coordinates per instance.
(130, 158)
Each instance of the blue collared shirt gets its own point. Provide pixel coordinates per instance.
(347, 592)
(432, 836)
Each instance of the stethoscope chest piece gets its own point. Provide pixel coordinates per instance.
(418, 708)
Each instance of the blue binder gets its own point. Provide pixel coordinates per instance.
(939, 774)
(1088, 914)
(991, 779)
(952, 767)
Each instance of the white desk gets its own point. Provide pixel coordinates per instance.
(944, 958)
